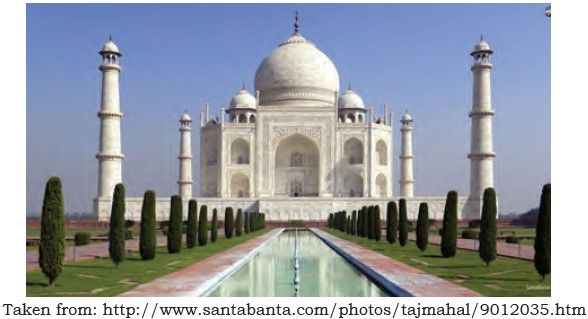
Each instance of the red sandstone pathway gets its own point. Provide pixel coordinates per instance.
(526, 252)
(90, 251)
(413, 280)
(198, 278)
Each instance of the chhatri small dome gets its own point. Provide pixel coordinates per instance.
(350, 99)
(296, 71)
(482, 46)
(110, 47)
(406, 118)
(243, 99)
(185, 117)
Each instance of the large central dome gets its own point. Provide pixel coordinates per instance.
(296, 72)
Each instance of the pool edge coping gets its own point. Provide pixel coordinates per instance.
(380, 280)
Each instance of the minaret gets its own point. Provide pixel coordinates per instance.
(406, 174)
(109, 155)
(481, 153)
(185, 180)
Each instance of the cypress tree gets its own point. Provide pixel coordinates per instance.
(403, 223)
(344, 221)
(364, 221)
(214, 226)
(229, 226)
(422, 228)
(348, 229)
(449, 234)
(370, 222)
(377, 228)
(393, 222)
(174, 233)
(487, 238)
(192, 229)
(246, 222)
(239, 223)
(52, 242)
(542, 243)
(147, 237)
(354, 223)
(203, 226)
(116, 235)
(330, 221)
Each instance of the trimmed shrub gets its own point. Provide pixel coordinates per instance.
(229, 222)
(474, 223)
(353, 223)
(449, 237)
(129, 223)
(239, 223)
(81, 238)
(392, 222)
(147, 236)
(364, 221)
(214, 226)
(542, 245)
(116, 235)
(128, 234)
(512, 239)
(370, 222)
(470, 234)
(52, 242)
(377, 227)
(203, 226)
(402, 223)
(422, 230)
(487, 249)
(192, 227)
(246, 222)
(174, 234)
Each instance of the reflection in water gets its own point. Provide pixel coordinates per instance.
(322, 272)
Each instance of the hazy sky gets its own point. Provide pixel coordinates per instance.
(176, 57)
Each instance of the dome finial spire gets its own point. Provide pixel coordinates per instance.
(348, 86)
(243, 86)
(481, 37)
(296, 23)
(109, 37)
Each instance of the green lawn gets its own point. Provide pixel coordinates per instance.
(504, 277)
(100, 277)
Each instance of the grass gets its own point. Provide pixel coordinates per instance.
(504, 277)
(99, 277)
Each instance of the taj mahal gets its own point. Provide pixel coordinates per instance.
(297, 147)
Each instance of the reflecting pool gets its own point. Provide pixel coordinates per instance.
(321, 270)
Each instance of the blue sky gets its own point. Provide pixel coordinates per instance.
(176, 57)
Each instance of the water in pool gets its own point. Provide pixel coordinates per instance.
(322, 272)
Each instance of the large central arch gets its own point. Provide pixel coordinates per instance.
(297, 167)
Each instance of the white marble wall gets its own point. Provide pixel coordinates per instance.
(282, 209)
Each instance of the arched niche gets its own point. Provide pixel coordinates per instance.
(353, 184)
(382, 152)
(239, 152)
(239, 185)
(381, 186)
(296, 167)
(353, 151)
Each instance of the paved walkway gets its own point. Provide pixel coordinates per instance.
(90, 251)
(198, 278)
(526, 252)
(414, 281)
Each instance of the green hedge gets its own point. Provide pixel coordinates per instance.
(81, 238)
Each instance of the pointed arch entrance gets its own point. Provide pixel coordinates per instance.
(297, 167)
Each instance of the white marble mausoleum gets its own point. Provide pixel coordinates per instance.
(296, 147)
